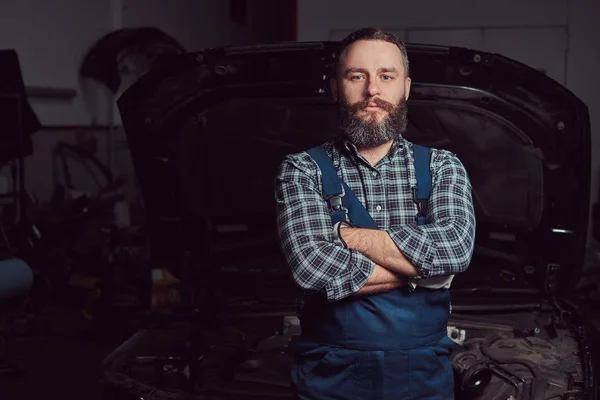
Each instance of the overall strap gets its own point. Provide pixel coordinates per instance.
(422, 156)
(343, 203)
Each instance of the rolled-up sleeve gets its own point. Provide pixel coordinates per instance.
(444, 245)
(306, 234)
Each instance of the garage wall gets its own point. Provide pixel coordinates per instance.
(196, 24)
(561, 37)
(316, 19)
(52, 37)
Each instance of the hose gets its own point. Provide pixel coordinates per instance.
(538, 385)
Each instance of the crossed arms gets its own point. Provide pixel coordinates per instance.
(375, 260)
(391, 267)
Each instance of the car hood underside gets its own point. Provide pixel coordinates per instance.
(523, 138)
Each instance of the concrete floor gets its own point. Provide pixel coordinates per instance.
(62, 361)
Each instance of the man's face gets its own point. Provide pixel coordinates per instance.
(372, 89)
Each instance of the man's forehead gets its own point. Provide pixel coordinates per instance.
(372, 51)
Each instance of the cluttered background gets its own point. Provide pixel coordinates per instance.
(73, 227)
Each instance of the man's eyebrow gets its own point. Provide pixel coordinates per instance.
(355, 70)
(364, 71)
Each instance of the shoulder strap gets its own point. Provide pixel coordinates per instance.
(343, 203)
(422, 156)
(345, 206)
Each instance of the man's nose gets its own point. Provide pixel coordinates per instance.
(372, 88)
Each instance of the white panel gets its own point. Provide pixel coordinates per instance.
(470, 38)
(316, 17)
(197, 25)
(51, 39)
(541, 48)
(338, 34)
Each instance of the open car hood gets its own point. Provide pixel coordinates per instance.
(208, 130)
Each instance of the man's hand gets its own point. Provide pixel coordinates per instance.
(379, 247)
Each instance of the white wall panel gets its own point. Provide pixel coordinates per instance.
(470, 38)
(541, 48)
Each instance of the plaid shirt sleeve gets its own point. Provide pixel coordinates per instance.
(444, 245)
(306, 234)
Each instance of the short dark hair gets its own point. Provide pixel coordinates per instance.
(371, 34)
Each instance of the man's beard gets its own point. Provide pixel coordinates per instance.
(369, 132)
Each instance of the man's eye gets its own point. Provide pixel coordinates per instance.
(355, 77)
(387, 77)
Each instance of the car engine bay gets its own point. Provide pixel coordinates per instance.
(537, 355)
(540, 363)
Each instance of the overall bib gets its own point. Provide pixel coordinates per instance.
(391, 345)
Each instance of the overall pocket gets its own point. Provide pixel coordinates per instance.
(431, 374)
(331, 375)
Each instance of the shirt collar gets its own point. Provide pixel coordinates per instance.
(397, 145)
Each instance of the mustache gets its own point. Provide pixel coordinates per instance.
(360, 105)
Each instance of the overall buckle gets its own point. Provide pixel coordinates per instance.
(336, 205)
(421, 204)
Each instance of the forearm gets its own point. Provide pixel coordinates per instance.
(439, 249)
(378, 246)
(381, 280)
(319, 265)
(384, 279)
(443, 246)
(305, 232)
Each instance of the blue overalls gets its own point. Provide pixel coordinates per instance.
(391, 345)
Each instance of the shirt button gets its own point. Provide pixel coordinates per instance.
(375, 174)
(378, 208)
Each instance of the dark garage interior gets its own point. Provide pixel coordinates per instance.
(139, 142)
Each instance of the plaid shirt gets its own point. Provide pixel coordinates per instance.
(440, 248)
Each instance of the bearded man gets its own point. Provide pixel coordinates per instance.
(374, 303)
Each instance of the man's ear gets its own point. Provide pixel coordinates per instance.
(407, 83)
(334, 89)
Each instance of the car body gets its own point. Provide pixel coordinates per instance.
(207, 131)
